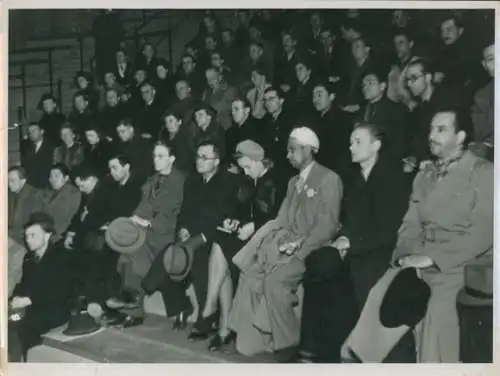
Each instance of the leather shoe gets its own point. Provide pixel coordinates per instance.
(126, 300)
(218, 343)
(131, 321)
(198, 336)
(180, 322)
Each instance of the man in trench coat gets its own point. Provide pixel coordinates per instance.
(272, 262)
(449, 223)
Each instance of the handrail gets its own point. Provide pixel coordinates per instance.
(28, 50)
(28, 62)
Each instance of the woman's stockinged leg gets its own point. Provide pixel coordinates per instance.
(217, 272)
(191, 294)
(226, 301)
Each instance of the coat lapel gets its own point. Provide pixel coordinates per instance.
(451, 186)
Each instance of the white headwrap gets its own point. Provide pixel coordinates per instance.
(306, 137)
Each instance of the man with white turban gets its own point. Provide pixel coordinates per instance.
(272, 262)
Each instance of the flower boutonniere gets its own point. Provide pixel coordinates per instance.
(310, 192)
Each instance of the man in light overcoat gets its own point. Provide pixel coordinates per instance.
(448, 224)
(272, 262)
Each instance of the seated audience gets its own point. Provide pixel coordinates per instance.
(448, 224)
(51, 120)
(81, 115)
(109, 83)
(84, 85)
(135, 148)
(158, 211)
(112, 113)
(272, 263)
(37, 154)
(62, 200)
(210, 196)
(177, 132)
(207, 128)
(23, 199)
(97, 149)
(255, 95)
(71, 153)
(255, 208)
(219, 96)
(147, 115)
(44, 290)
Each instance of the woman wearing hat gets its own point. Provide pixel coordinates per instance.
(256, 207)
(51, 120)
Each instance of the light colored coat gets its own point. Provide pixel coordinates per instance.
(263, 309)
(450, 221)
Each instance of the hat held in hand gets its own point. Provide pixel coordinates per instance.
(478, 282)
(178, 257)
(124, 236)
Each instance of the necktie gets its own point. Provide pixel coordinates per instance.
(300, 184)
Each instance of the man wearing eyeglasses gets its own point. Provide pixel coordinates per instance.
(210, 196)
(430, 97)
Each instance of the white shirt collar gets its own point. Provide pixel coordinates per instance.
(304, 174)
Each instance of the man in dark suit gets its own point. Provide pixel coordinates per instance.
(148, 115)
(374, 212)
(62, 201)
(135, 148)
(158, 211)
(123, 69)
(44, 290)
(111, 114)
(210, 196)
(37, 157)
(334, 129)
(392, 116)
(23, 200)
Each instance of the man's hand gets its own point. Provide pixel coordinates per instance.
(146, 135)
(416, 261)
(140, 221)
(342, 244)
(409, 164)
(285, 88)
(289, 248)
(246, 231)
(351, 108)
(184, 234)
(20, 302)
(68, 242)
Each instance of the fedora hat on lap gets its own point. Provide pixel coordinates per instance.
(124, 236)
(178, 257)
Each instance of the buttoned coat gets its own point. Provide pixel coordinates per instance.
(21, 206)
(62, 205)
(161, 210)
(262, 313)
(450, 221)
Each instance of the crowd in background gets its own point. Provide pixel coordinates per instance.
(216, 142)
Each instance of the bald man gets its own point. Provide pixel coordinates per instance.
(272, 262)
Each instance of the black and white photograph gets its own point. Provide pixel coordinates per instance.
(249, 185)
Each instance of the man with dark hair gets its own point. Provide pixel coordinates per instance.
(380, 110)
(157, 211)
(122, 68)
(113, 111)
(42, 297)
(81, 115)
(209, 197)
(449, 223)
(332, 126)
(147, 116)
(483, 108)
(36, 156)
(302, 95)
(431, 97)
(284, 73)
(396, 89)
(277, 124)
(52, 118)
(189, 72)
(134, 148)
(455, 61)
(207, 128)
(62, 201)
(23, 199)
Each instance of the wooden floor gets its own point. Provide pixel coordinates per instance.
(152, 342)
